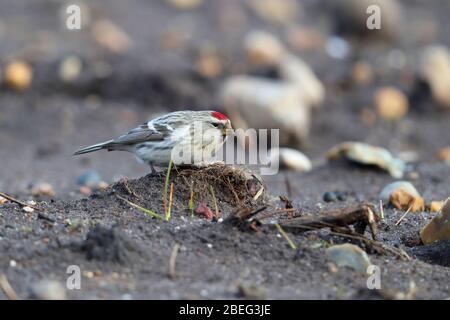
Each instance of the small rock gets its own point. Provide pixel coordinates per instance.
(85, 190)
(403, 195)
(391, 103)
(302, 38)
(349, 255)
(185, 4)
(18, 74)
(436, 206)
(435, 71)
(3, 200)
(369, 155)
(203, 211)
(28, 209)
(290, 159)
(439, 227)
(209, 63)
(252, 102)
(294, 70)
(111, 37)
(404, 201)
(112, 245)
(367, 116)
(70, 69)
(43, 189)
(444, 155)
(90, 179)
(337, 47)
(48, 290)
(341, 196)
(262, 48)
(103, 185)
(276, 11)
(253, 292)
(329, 196)
(362, 73)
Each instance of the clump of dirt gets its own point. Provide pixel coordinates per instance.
(226, 187)
(110, 244)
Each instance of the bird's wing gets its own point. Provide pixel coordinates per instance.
(143, 133)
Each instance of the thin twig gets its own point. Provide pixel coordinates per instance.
(403, 216)
(284, 234)
(23, 204)
(173, 258)
(271, 214)
(129, 190)
(7, 289)
(375, 244)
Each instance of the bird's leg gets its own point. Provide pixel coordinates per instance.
(152, 168)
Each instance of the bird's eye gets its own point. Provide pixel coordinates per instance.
(215, 124)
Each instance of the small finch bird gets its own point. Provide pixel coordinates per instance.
(185, 137)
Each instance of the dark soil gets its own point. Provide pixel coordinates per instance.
(123, 252)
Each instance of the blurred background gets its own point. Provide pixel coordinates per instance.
(313, 69)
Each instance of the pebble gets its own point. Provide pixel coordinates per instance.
(337, 47)
(341, 196)
(435, 71)
(290, 159)
(253, 292)
(369, 155)
(43, 189)
(253, 102)
(185, 4)
(297, 72)
(349, 255)
(362, 73)
(18, 74)
(275, 11)
(3, 200)
(439, 227)
(85, 190)
(302, 38)
(436, 206)
(48, 290)
(111, 37)
(334, 196)
(391, 103)
(263, 48)
(204, 211)
(209, 63)
(403, 195)
(70, 69)
(329, 197)
(90, 178)
(444, 155)
(28, 209)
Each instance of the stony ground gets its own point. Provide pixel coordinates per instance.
(122, 252)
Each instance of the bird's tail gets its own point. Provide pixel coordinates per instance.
(95, 147)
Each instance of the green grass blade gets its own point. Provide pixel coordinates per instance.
(289, 241)
(142, 209)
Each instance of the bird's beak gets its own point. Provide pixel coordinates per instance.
(228, 129)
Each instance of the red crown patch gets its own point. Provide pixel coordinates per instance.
(219, 115)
